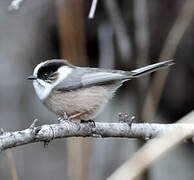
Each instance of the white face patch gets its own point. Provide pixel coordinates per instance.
(63, 72)
(43, 88)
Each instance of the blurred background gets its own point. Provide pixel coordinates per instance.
(123, 35)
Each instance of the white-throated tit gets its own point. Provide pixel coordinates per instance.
(81, 92)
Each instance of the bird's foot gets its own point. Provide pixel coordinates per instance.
(63, 119)
(90, 122)
(126, 118)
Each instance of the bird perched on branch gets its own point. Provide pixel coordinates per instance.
(81, 92)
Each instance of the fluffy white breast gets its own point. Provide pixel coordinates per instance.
(43, 88)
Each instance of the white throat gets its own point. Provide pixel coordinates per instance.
(43, 88)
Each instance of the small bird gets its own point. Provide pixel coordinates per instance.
(81, 93)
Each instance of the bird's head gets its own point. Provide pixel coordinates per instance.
(48, 74)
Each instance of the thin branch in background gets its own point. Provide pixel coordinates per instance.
(122, 37)
(150, 152)
(11, 165)
(141, 39)
(15, 5)
(74, 129)
(93, 9)
(106, 46)
(173, 39)
(141, 31)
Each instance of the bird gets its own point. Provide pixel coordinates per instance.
(81, 93)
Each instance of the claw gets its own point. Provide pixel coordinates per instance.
(90, 121)
(65, 118)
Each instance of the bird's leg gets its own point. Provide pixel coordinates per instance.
(65, 118)
(77, 115)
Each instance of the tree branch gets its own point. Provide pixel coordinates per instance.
(155, 148)
(93, 9)
(15, 5)
(47, 133)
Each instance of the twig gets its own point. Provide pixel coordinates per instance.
(71, 129)
(154, 149)
(15, 5)
(92, 9)
(32, 126)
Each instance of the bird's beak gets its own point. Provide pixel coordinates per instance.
(32, 77)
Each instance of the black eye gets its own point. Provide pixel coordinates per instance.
(44, 76)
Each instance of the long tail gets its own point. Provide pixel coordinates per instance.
(150, 68)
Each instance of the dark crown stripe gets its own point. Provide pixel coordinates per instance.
(49, 68)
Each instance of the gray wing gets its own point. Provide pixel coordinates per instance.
(83, 77)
